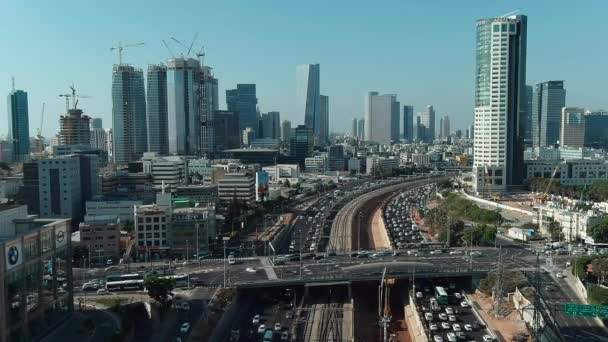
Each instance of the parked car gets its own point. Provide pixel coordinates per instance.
(445, 325)
(487, 338)
(468, 327)
(261, 329)
(433, 326)
(256, 319)
(184, 327)
(464, 304)
(103, 292)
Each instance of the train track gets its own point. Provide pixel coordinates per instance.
(340, 239)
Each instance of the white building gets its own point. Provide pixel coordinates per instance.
(499, 100)
(282, 172)
(573, 172)
(383, 164)
(316, 164)
(200, 171)
(152, 224)
(170, 170)
(573, 223)
(572, 133)
(124, 210)
(239, 185)
(378, 114)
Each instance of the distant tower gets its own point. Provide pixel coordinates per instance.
(308, 96)
(428, 121)
(408, 123)
(361, 129)
(547, 102)
(379, 111)
(323, 139)
(74, 128)
(18, 125)
(354, 128)
(285, 131)
(158, 136)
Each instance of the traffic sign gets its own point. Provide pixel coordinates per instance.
(582, 310)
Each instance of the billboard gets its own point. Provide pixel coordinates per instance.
(61, 236)
(261, 185)
(13, 254)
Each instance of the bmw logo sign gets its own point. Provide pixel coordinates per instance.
(60, 236)
(13, 255)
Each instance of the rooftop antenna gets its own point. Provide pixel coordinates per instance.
(510, 13)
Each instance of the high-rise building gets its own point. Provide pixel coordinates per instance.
(440, 128)
(226, 130)
(572, 133)
(445, 127)
(244, 101)
(408, 123)
(129, 128)
(74, 128)
(18, 125)
(395, 121)
(427, 120)
(208, 89)
(596, 126)
(96, 123)
(158, 135)
(248, 136)
(323, 138)
(285, 131)
(547, 102)
(184, 103)
(529, 113)
(419, 128)
(378, 115)
(308, 96)
(500, 103)
(270, 125)
(335, 158)
(354, 128)
(361, 129)
(471, 130)
(301, 143)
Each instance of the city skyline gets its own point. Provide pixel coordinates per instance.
(345, 83)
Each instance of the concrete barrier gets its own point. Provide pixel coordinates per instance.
(499, 205)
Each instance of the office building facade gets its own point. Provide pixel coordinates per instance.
(408, 123)
(427, 120)
(270, 125)
(129, 127)
(237, 185)
(285, 131)
(209, 104)
(308, 96)
(354, 128)
(529, 114)
(74, 128)
(378, 117)
(226, 130)
(323, 139)
(18, 125)
(572, 132)
(243, 100)
(158, 135)
(500, 103)
(301, 143)
(184, 103)
(547, 102)
(596, 126)
(361, 129)
(395, 121)
(445, 127)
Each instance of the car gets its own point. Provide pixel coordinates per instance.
(559, 275)
(411, 252)
(452, 318)
(438, 338)
(487, 338)
(433, 326)
(457, 295)
(289, 314)
(277, 326)
(285, 336)
(451, 337)
(456, 327)
(460, 335)
(435, 252)
(464, 304)
(449, 311)
(568, 263)
(428, 316)
(445, 325)
(443, 317)
(184, 328)
(419, 295)
(456, 252)
(475, 254)
(255, 319)
(231, 261)
(89, 286)
(468, 327)
(103, 292)
(261, 329)
(251, 270)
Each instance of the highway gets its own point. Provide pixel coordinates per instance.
(341, 236)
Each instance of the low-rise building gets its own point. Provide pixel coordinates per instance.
(354, 165)
(192, 229)
(239, 185)
(381, 164)
(124, 210)
(152, 224)
(167, 170)
(573, 172)
(316, 164)
(280, 173)
(100, 234)
(574, 223)
(203, 194)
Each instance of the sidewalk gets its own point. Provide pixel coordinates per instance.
(415, 334)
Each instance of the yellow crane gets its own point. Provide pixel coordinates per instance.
(543, 197)
(121, 47)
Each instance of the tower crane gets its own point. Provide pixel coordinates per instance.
(73, 96)
(121, 47)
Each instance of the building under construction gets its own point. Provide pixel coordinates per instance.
(74, 128)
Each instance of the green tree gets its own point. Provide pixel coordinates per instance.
(600, 269)
(599, 231)
(555, 231)
(599, 190)
(598, 296)
(159, 288)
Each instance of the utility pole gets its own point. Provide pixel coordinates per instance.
(498, 288)
(198, 256)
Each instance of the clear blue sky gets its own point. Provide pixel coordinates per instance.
(421, 50)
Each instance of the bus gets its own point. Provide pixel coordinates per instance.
(125, 282)
(181, 280)
(441, 295)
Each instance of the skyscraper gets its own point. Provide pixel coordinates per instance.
(419, 128)
(285, 131)
(244, 100)
(158, 135)
(308, 97)
(428, 122)
(529, 113)
(395, 121)
(18, 125)
(129, 128)
(445, 127)
(74, 128)
(226, 130)
(354, 128)
(183, 102)
(596, 126)
(301, 144)
(378, 115)
(208, 89)
(361, 129)
(408, 123)
(96, 123)
(270, 125)
(500, 103)
(572, 133)
(323, 138)
(440, 128)
(547, 102)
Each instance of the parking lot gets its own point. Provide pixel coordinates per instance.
(454, 321)
(397, 217)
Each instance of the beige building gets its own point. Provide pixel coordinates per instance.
(572, 132)
(101, 236)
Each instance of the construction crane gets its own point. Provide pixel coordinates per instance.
(168, 48)
(187, 49)
(201, 55)
(73, 96)
(39, 130)
(543, 197)
(121, 47)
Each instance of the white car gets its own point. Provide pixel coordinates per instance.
(443, 317)
(277, 326)
(256, 319)
(285, 336)
(568, 263)
(251, 270)
(261, 329)
(468, 327)
(428, 316)
(446, 325)
(487, 338)
(184, 327)
(464, 304)
(449, 311)
(456, 327)
(438, 338)
(451, 337)
(433, 327)
(457, 295)
(452, 318)
(103, 292)
(418, 295)
(231, 261)
(559, 275)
